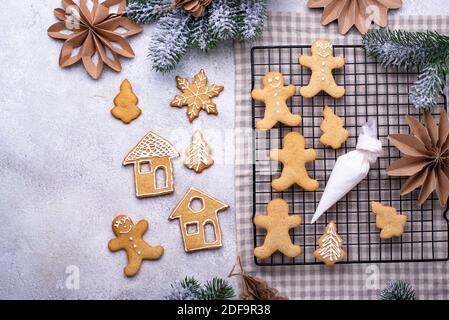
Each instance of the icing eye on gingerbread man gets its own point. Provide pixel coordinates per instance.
(322, 49)
(273, 80)
(122, 224)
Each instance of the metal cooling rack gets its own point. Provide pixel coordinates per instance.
(371, 92)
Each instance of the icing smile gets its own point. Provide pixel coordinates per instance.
(130, 228)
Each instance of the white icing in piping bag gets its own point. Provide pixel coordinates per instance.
(351, 168)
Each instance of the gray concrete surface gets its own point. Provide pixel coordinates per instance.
(61, 179)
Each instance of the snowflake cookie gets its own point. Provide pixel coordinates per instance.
(196, 95)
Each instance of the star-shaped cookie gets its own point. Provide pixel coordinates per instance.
(196, 95)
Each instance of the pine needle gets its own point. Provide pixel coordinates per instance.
(427, 52)
(398, 290)
(177, 30)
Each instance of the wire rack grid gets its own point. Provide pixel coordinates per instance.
(371, 92)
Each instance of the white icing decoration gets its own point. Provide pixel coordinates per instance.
(323, 55)
(128, 231)
(198, 153)
(325, 45)
(121, 221)
(131, 238)
(330, 247)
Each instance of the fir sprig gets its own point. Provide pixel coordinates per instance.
(398, 290)
(217, 289)
(424, 51)
(177, 30)
(191, 289)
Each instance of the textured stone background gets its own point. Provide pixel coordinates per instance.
(61, 179)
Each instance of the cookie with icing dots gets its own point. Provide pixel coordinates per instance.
(275, 95)
(322, 63)
(129, 238)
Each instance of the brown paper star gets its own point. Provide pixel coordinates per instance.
(196, 8)
(426, 157)
(91, 35)
(360, 13)
(196, 95)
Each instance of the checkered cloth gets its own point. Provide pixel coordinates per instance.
(343, 281)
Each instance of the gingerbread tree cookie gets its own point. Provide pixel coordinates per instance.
(274, 94)
(322, 62)
(125, 102)
(330, 246)
(334, 134)
(294, 157)
(198, 154)
(129, 238)
(196, 95)
(277, 222)
(388, 220)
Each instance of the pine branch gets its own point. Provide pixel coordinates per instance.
(426, 90)
(217, 289)
(170, 41)
(145, 11)
(177, 30)
(398, 290)
(187, 289)
(221, 19)
(192, 284)
(406, 49)
(426, 51)
(250, 19)
(200, 37)
(192, 289)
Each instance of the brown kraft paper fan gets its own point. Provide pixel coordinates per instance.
(93, 32)
(426, 157)
(360, 13)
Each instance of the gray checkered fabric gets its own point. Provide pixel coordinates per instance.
(372, 92)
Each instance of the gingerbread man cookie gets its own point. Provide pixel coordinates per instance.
(129, 238)
(274, 94)
(388, 220)
(321, 62)
(277, 222)
(294, 157)
(334, 134)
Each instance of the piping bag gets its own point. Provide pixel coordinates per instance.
(351, 168)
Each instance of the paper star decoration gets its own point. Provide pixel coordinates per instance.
(196, 95)
(91, 35)
(360, 13)
(426, 157)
